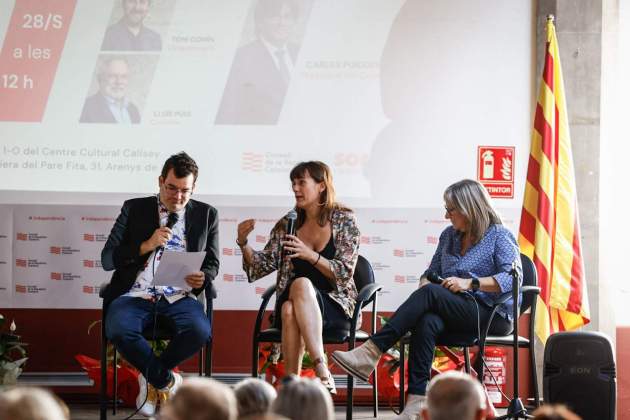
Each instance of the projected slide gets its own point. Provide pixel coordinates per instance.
(94, 95)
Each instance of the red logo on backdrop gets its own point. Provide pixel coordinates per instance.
(261, 239)
(55, 250)
(399, 253)
(88, 289)
(495, 170)
(399, 279)
(20, 288)
(260, 290)
(88, 237)
(365, 239)
(228, 251)
(22, 236)
(88, 263)
(20, 262)
(433, 240)
(55, 276)
(252, 161)
(228, 277)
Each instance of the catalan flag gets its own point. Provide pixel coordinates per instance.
(549, 231)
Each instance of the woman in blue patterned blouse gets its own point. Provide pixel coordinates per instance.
(474, 257)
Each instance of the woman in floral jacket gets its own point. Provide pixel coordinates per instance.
(314, 288)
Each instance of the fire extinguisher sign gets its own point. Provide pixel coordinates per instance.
(495, 170)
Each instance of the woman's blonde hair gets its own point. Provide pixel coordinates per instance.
(471, 199)
(320, 172)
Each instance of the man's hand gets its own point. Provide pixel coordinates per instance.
(160, 237)
(195, 280)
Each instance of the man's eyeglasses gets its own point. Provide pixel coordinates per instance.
(173, 190)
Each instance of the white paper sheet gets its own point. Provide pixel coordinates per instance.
(175, 266)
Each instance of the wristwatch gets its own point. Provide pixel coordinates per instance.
(474, 283)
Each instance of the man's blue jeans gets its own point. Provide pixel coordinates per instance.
(128, 316)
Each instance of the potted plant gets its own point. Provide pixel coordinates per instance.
(270, 364)
(12, 353)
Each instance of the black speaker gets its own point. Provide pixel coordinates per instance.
(579, 371)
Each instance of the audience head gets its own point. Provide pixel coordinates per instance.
(26, 403)
(304, 399)
(454, 395)
(254, 397)
(201, 399)
(555, 412)
(469, 208)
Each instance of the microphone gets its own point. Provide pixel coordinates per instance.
(434, 277)
(291, 222)
(292, 216)
(172, 219)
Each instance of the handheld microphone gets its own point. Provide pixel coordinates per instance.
(291, 222)
(172, 220)
(434, 277)
(292, 219)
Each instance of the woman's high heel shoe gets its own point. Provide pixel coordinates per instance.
(327, 379)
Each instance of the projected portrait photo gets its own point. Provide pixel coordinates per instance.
(262, 67)
(119, 89)
(137, 25)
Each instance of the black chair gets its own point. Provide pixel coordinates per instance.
(368, 293)
(164, 330)
(530, 291)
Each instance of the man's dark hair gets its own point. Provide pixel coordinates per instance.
(182, 166)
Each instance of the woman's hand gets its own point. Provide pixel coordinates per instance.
(457, 285)
(298, 249)
(243, 230)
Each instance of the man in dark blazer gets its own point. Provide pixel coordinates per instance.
(144, 229)
(261, 70)
(110, 104)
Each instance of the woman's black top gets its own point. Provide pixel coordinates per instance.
(303, 268)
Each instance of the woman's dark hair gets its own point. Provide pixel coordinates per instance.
(320, 172)
(182, 165)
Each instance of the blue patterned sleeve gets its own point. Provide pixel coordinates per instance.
(436, 260)
(505, 253)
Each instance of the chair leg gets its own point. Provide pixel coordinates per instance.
(532, 361)
(201, 357)
(208, 363)
(401, 403)
(115, 384)
(103, 393)
(349, 397)
(255, 358)
(467, 360)
(375, 393)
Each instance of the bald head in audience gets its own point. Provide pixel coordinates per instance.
(555, 412)
(454, 395)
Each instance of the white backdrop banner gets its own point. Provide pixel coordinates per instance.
(50, 255)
